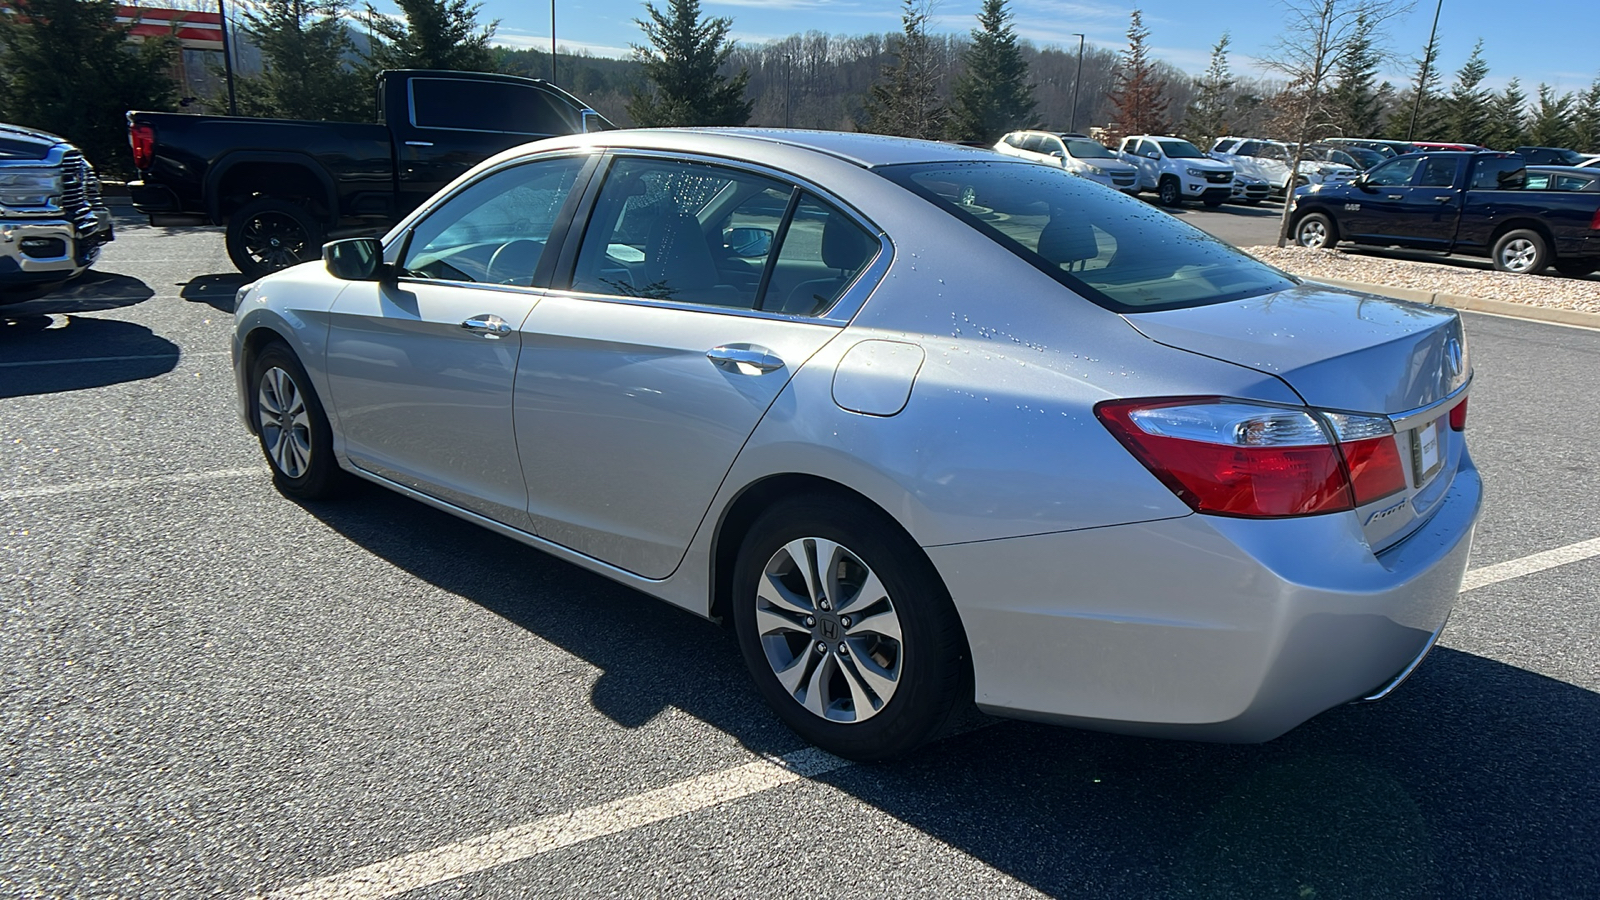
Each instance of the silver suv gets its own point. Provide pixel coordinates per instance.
(53, 222)
(1078, 154)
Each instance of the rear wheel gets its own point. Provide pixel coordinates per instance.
(1170, 192)
(1520, 252)
(268, 234)
(294, 431)
(848, 633)
(1316, 231)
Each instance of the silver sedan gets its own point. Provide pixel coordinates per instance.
(925, 425)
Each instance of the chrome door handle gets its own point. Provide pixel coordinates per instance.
(487, 325)
(1445, 199)
(419, 143)
(1396, 196)
(745, 360)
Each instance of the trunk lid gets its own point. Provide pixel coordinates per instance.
(1354, 353)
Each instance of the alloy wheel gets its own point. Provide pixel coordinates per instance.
(1313, 234)
(285, 422)
(274, 239)
(829, 629)
(1518, 255)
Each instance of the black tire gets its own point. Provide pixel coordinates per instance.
(309, 471)
(1316, 230)
(1521, 251)
(1577, 268)
(1170, 192)
(1213, 202)
(934, 676)
(268, 234)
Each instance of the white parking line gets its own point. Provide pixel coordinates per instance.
(1527, 565)
(413, 871)
(113, 484)
(429, 867)
(96, 359)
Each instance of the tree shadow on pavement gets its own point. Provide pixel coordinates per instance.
(1476, 779)
(42, 354)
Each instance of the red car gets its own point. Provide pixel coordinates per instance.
(1444, 145)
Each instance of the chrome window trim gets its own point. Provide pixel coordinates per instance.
(850, 300)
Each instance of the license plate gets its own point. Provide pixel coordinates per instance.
(1425, 455)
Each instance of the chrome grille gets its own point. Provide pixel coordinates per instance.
(77, 183)
(1219, 177)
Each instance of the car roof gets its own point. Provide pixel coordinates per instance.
(866, 150)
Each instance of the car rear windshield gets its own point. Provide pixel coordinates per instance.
(1117, 251)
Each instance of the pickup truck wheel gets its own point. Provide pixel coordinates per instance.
(1577, 268)
(1520, 252)
(1316, 231)
(1170, 192)
(268, 234)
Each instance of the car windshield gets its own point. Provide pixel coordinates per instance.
(1116, 251)
(1085, 149)
(1180, 150)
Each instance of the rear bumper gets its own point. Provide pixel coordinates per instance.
(1204, 627)
(154, 199)
(41, 251)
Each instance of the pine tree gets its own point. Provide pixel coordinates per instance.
(77, 75)
(905, 99)
(1465, 112)
(1508, 117)
(682, 65)
(993, 94)
(1586, 120)
(1354, 104)
(1551, 125)
(1414, 120)
(1208, 114)
(436, 34)
(1139, 95)
(307, 51)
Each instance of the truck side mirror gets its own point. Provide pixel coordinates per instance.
(592, 121)
(354, 259)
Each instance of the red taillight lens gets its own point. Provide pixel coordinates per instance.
(1233, 459)
(1594, 223)
(143, 140)
(1458, 415)
(1375, 468)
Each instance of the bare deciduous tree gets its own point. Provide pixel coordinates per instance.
(1316, 35)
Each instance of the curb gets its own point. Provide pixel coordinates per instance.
(1573, 317)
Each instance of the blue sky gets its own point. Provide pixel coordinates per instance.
(1182, 31)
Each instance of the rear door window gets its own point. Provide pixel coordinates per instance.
(462, 105)
(1439, 171)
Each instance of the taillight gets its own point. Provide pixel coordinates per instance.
(1458, 415)
(143, 140)
(1235, 458)
(1594, 223)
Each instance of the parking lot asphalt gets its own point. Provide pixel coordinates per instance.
(211, 691)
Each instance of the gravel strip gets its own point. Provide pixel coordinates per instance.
(1581, 294)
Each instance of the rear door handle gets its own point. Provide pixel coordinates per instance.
(744, 359)
(1445, 199)
(490, 326)
(419, 143)
(1396, 196)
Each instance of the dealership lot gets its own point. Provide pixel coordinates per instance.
(212, 691)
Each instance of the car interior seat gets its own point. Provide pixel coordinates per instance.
(678, 264)
(1066, 241)
(846, 249)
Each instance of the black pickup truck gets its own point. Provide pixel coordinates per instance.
(284, 186)
(1477, 203)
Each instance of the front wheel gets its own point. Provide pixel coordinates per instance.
(1520, 252)
(1316, 231)
(1170, 193)
(847, 631)
(268, 234)
(294, 431)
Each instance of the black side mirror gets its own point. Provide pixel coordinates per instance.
(748, 243)
(355, 259)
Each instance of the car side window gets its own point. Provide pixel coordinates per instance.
(1395, 173)
(495, 230)
(489, 106)
(680, 231)
(1572, 183)
(1034, 143)
(1053, 146)
(1538, 181)
(822, 254)
(1502, 174)
(1439, 171)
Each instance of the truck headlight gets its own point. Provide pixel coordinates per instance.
(1198, 173)
(29, 187)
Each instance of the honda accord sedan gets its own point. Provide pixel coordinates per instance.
(924, 425)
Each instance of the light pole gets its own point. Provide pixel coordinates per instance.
(1422, 82)
(1076, 81)
(552, 41)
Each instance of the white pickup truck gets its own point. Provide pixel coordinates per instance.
(1176, 170)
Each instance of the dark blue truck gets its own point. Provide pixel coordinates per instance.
(283, 186)
(1475, 203)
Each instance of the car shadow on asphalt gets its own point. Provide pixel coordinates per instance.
(216, 291)
(90, 292)
(1475, 778)
(44, 348)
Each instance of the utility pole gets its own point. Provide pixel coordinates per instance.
(1422, 81)
(552, 41)
(227, 58)
(1076, 81)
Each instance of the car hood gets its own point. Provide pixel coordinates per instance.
(1337, 349)
(25, 143)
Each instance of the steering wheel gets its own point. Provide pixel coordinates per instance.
(513, 262)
